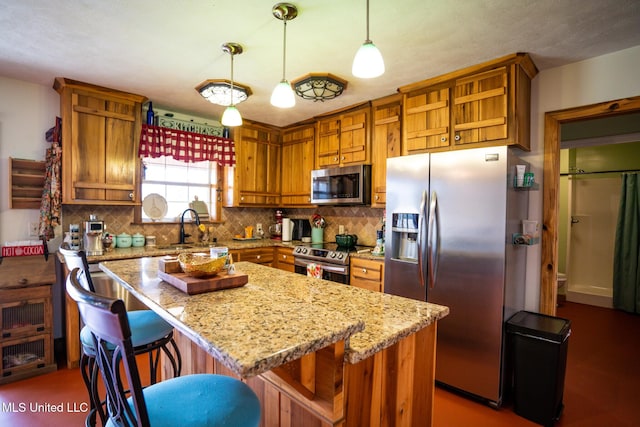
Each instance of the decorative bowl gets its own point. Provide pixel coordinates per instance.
(200, 265)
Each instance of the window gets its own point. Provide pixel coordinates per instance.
(180, 183)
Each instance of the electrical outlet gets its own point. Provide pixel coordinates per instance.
(33, 229)
(341, 229)
(259, 228)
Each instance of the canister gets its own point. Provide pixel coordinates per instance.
(137, 240)
(123, 240)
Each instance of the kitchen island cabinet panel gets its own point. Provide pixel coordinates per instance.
(100, 136)
(315, 352)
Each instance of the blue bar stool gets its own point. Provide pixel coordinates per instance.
(150, 335)
(191, 400)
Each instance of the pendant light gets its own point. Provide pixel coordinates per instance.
(231, 116)
(368, 62)
(283, 96)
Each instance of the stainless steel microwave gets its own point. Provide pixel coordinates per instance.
(349, 185)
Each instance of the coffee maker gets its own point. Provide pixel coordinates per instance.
(93, 230)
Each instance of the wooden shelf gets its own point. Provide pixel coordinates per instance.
(26, 180)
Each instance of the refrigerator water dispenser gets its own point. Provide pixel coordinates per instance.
(404, 234)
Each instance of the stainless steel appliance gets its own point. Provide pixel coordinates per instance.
(349, 185)
(450, 220)
(301, 229)
(93, 230)
(332, 259)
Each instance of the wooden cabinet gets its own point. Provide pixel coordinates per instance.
(487, 104)
(100, 137)
(343, 139)
(385, 143)
(26, 323)
(262, 256)
(367, 274)
(255, 179)
(298, 148)
(284, 259)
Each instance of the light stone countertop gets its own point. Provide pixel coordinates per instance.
(278, 316)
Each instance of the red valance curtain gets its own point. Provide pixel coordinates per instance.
(158, 141)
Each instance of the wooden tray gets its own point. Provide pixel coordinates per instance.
(198, 285)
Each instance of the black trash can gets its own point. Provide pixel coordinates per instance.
(538, 346)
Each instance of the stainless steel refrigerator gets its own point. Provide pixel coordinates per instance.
(450, 221)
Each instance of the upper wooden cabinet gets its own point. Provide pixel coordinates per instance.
(100, 136)
(255, 179)
(343, 139)
(298, 148)
(487, 104)
(385, 143)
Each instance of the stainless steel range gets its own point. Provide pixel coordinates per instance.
(332, 259)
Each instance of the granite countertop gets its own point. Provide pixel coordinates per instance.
(278, 316)
(151, 251)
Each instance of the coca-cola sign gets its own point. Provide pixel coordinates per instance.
(8, 251)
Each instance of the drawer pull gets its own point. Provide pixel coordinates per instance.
(364, 270)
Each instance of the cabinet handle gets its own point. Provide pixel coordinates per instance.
(257, 256)
(377, 197)
(457, 137)
(23, 281)
(364, 270)
(342, 158)
(130, 196)
(443, 139)
(242, 198)
(284, 257)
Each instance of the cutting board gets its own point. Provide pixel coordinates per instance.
(198, 285)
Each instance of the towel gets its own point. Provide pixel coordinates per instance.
(314, 270)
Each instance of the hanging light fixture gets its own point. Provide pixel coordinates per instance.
(368, 62)
(283, 96)
(231, 116)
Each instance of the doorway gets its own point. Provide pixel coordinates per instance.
(590, 184)
(551, 198)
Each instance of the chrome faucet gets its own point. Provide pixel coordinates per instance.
(183, 236)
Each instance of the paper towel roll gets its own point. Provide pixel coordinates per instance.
(287, 229)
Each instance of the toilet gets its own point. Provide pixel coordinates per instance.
(562, 287)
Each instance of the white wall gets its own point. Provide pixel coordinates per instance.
(27, 111)
(600, 79)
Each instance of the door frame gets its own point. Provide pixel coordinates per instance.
(551, 185)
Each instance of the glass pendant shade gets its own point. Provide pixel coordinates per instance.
(368, 62)
(231, 117)
(283, 96)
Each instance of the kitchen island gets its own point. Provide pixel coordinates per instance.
(315, 352)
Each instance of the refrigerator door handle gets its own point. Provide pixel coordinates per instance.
(421, 222)
(433, 246)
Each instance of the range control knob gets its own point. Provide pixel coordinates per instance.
(332, 254)
(340, 255)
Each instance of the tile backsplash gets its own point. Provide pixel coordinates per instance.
(363, 221)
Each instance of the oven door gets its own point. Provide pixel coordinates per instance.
(334, 272)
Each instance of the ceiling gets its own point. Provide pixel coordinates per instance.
(163, 49)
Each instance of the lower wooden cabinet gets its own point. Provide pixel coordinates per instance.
(26, 321)
(367, 274)
(284, 259)
(262, 256)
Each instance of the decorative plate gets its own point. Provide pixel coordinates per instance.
(154, 206)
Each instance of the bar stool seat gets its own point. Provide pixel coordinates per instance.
(191, 400)
(146, 327)
(151, 335)
(200, 400)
